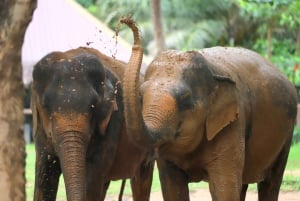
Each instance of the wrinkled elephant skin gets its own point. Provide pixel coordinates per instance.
(222, 115)
(79, 128)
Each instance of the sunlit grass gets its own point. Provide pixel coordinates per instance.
(294, 158)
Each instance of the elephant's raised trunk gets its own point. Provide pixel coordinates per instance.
(132, 107)
(71, 149)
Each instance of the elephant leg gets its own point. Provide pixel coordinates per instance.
(225, 176)
(96, 191)
(100, 157)
(96, 185)
(47, 172)
(225, 187)
(268, 189)
(243, 192)
(104, 191)
(174, 182)
(142, 181)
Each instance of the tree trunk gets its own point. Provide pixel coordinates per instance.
(14, 18)
(157, 24)
(269, 41)
(297, 52)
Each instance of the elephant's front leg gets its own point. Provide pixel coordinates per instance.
(96, 185)
(142, 181)
(174, 182)
(100, 157)
(225, 176)
(225, 187)
(47, 172)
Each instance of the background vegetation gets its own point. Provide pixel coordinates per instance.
(270, 27)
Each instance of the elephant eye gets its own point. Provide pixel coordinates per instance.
(185, 101)
(96, 101)
(183, 94)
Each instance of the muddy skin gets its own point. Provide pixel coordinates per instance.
(209, 114)
(79, 128)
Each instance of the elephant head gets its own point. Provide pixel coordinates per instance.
(72, 100)
(182, 98)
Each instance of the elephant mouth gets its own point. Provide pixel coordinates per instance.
(167, 134)
(178, 129)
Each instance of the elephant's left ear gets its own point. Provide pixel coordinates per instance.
(223, 106)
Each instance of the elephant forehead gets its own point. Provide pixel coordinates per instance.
(71, 67)
(163, 70)
(160, 86)
(171, 64)
(71, 121)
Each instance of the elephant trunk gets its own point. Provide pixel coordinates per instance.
(72, 153)
(132, 107)
(160, 116)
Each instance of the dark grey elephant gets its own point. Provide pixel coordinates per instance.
(222, 115)
(79, 128)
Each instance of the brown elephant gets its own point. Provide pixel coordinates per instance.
(79, 128)
(222, 115)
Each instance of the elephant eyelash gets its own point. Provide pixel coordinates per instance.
(186, 106)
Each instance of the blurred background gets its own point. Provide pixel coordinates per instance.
(270, 27)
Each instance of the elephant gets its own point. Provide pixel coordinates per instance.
(79, 128)
(224, 115)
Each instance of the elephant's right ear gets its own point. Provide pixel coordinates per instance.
(223, 106)
(104, 123)
(110, 93)
(34, 112)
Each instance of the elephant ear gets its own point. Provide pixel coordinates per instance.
(34, 113)
(109, 106)
(104, 123)
(224, 108)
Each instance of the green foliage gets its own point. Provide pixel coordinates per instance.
(188, 24)
(281, 17)
(86, 3)
(196, 24)
(283, 56)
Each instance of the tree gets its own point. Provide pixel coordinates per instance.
(14, 18)
(157, 25)
(270, 27)
(269, 13)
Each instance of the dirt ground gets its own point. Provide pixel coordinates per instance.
(203, 195)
